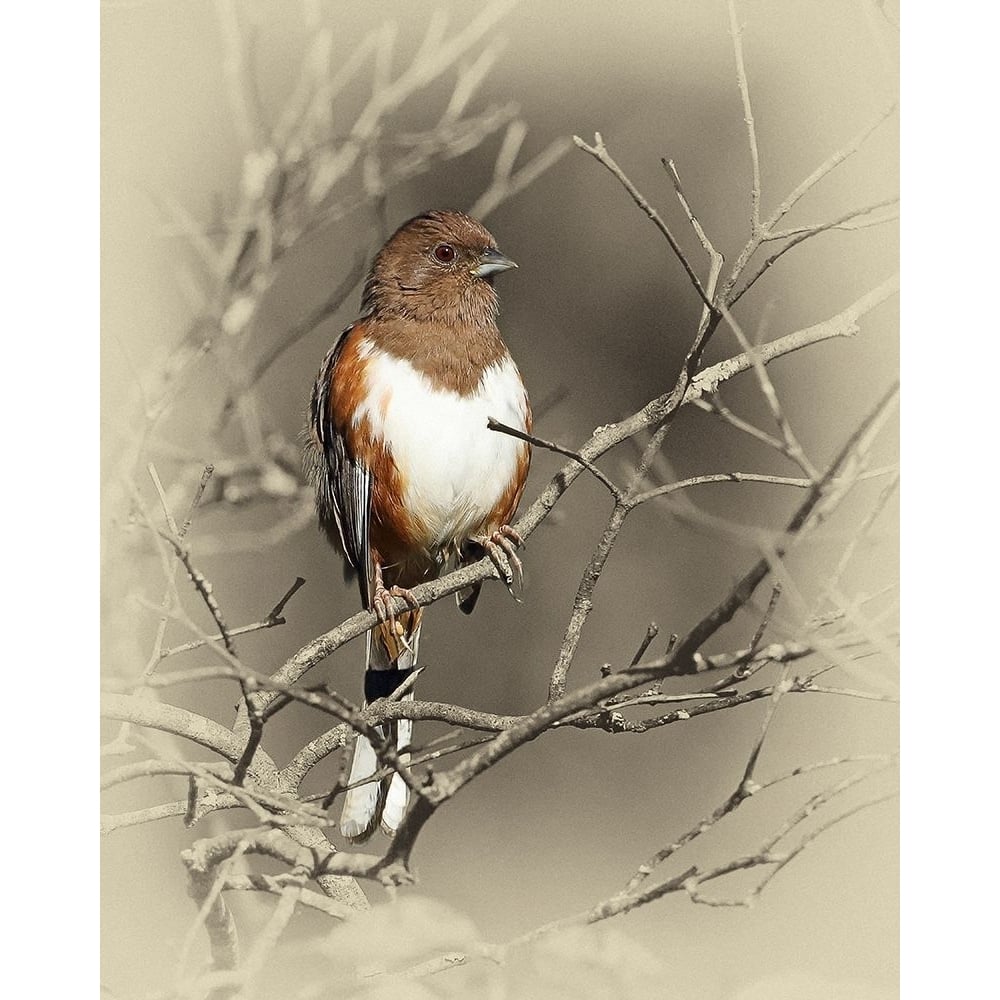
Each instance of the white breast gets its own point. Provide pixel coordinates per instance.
(455, 470)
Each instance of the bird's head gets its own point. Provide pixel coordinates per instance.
(437, 266)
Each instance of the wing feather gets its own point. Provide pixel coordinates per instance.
(342, 482)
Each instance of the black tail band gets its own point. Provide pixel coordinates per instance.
(381, 683)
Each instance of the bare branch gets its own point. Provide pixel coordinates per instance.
(706, 243)
(583, 602)
(736, 33)
(848, 222)
(202, 585)
(844, 153)
(495, 425)
(792, 448)
(797, 236)
(600, 153)
(844, 324)
(273, 619)
(651, 633)
(768, 227)
(180, 722)
(810, 509)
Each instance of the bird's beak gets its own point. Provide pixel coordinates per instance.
(492, 262)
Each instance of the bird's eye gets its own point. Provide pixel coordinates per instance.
(444, 252)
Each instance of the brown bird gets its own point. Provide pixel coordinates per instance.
(408, 479)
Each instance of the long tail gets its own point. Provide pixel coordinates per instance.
(389, 661)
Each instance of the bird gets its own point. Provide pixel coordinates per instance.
(408, 478)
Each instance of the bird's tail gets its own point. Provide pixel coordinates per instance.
(391, 658)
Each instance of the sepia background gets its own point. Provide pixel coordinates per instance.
(598, 316)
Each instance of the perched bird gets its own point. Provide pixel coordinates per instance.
(409, 481)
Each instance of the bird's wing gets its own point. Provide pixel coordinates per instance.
(343, 483)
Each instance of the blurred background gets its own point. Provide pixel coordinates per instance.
(599, 317)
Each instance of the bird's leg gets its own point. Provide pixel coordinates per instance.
(382, 602)
(501, 546)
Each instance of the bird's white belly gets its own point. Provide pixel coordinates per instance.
(454, 470)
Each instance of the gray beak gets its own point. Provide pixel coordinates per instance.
(493, 262)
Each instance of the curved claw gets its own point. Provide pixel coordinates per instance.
(511, 533)
(502, 547)
(382, 601)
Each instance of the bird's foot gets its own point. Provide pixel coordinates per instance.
(382, 601)
(502, 548)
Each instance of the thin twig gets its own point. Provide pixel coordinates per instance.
(203, 586)
(768, 227)
(706, 243)
(842, 154)
(600, 153)
(736, 33)
(849, 221)
(766, 619)
(798, 236)
(272, 619)
(792, 447)
(496, 425)
(651, 633)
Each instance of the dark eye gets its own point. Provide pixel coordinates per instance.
(444, 252)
